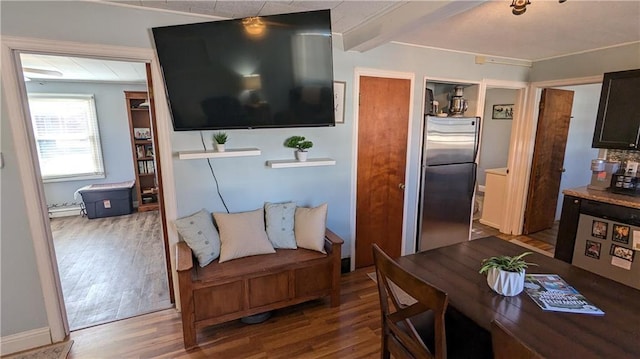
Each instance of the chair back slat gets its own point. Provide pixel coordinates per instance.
(399, 336)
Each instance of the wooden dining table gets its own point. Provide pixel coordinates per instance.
(454, 269)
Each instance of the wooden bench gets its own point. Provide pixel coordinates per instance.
(221, 292)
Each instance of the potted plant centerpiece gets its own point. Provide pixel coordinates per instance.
(505, 274)
(301, 145)
(219, 139)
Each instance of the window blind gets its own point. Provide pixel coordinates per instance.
(65, 128)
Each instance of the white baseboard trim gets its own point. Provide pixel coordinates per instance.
(481, 188)
(25, 340)
(64, 212)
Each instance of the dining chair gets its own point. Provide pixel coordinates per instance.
(400, 337)
(506, 346)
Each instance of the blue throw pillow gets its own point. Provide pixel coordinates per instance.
(279, 218)
(201, 236)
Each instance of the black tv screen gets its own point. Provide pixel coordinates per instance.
(258, 72)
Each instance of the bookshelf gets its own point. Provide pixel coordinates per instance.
(144, 159)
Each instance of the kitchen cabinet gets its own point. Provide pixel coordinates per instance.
(142, 145)
(494, 197)
(618, 119)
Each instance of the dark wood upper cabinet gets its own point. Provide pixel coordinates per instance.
(618, 121)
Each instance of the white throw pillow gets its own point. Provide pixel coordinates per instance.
(242, 234)
(198, 231)
(309, 227)
(279, 221)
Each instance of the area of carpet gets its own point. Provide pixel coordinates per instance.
(532, 248)
(53, 351)
(403, 297)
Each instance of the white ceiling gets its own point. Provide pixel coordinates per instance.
(81, 69)
(547, 29)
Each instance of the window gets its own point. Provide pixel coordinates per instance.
(65, 128)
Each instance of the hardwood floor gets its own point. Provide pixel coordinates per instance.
(110, 268)
(539, 240)
(308, 330)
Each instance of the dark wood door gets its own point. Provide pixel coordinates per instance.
(548, 159)
(382, 150)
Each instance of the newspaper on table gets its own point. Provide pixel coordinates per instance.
(552, 293)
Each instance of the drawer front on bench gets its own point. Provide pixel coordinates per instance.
(268, 289)
(313, 280)
(218, 300)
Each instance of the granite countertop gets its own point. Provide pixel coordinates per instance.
(604, 196)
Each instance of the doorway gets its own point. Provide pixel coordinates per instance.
(383, 126)
(493, 160)
(577, 153)
(548, 159)
(110, 268)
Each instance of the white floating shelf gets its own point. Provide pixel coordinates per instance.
(311, 162)
(231, 152)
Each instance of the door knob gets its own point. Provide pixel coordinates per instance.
(401, 186)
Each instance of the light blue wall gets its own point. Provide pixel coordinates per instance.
(496, 134)
(245, 183)
(113, 124)
(588, 64)
(578, 153)
(21, 299)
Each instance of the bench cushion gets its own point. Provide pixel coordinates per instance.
(218, 272)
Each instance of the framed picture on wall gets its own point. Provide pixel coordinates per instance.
(502, 112)
(338, 100)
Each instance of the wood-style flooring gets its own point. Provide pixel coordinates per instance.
(110, 268)
(541, 240)
(309, 330)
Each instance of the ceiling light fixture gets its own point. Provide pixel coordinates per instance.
(520, 6)
(254, 26)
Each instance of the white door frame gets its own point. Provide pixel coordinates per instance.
(358, 72)
(521, 152)
(514, 143)
(35, 202)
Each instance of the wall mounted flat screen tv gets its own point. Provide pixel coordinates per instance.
(257, 72)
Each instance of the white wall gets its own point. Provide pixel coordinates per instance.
(113, 125)
(494, 150)
(578, 153)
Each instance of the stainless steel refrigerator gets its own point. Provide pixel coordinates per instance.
(448, 180)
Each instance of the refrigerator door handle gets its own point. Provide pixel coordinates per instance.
(472, 185)
(476, 145)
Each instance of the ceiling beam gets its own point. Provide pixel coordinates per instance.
(405, 17)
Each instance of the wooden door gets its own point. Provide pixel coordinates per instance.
(382, 150)
(548, 159)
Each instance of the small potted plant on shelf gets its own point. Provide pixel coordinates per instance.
(301, 145)
(219, 139)
(505, 274)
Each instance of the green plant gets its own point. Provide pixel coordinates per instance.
(506, 263)
(220, 138)
(298, 142)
